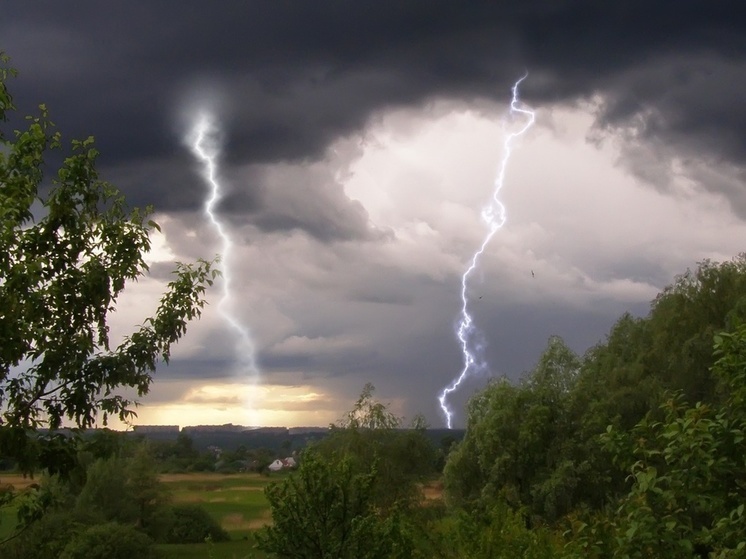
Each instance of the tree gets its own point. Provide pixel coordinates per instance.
(369, 435)
(193, 524)
(353, 493)
(495, 532)
(516, 443)
(685, 317)
(68, 247)
(326, 510)
(127, 490)
(687, 475)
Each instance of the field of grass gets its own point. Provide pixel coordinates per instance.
(7, 521)
(236, 501)
(8, 514)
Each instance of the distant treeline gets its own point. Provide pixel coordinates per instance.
(273, 438)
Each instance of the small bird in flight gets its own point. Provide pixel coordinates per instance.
(532, 274)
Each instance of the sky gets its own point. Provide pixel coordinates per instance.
(359, 143)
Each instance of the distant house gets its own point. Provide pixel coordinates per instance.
(282, 464)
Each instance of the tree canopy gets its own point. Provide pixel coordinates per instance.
(638, 444)
(68, 246)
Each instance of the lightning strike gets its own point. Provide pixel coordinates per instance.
(204, 147)
(494, 215)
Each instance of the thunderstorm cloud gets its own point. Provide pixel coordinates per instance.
(360, 142)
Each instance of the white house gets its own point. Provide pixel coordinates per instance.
(284, 464)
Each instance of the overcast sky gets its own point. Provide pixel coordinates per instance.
(360, 142)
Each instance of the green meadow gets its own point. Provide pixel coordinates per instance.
(236, 501)
(8, 513)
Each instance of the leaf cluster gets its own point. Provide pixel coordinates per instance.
(68, 247)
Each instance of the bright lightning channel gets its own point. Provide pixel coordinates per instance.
(204, 146)
(494, 215)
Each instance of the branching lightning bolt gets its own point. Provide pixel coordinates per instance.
(204, 146)
(494, 215)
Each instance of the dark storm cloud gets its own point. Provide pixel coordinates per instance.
(289, 78)
(288, 198)
(295, 75)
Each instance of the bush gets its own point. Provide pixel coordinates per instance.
(110, 541)
(45, 538)
(193, 524)
(327, 509)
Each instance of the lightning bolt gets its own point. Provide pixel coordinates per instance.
(494, 215)
(205, 147)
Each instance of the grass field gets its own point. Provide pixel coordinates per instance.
(236, 501)
(8, 514)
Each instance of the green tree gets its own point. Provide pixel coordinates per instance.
(516, 446)
(625, 377)
(193, 524)
(68, 247)
(45, 538)
(355, 490)
(371, 434)
(325, 510)
(126, 490)
(685, 317)
(687, 475)
(495, 533)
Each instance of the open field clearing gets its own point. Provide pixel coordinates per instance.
(16, 480)
(236, 501)
(8, 514)
(432, 490)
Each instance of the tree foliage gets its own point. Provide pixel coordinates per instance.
(68, 247)
(326, 510)
(542, 445)
(111, 483)
(126, 490)
(497, 532)
(351, 493)
(514, 445)
(193, 524)
(109, 541)
(370, 434)
(687, 475)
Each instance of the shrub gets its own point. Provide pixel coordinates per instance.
(193, 524)
(45, 538)
(110, 541)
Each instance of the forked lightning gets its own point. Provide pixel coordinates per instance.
(494, 215)
(204, 146)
